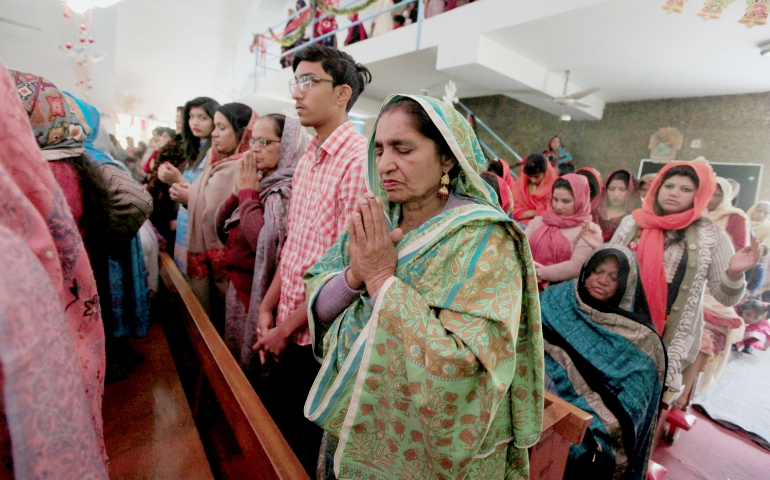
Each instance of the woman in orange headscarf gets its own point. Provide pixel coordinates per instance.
(679, 255)
(532, 190)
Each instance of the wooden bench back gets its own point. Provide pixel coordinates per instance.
(563, 425)
(265, 451)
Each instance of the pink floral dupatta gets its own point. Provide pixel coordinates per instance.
(33, 207)
(548, 245)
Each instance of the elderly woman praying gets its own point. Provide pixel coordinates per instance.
(425, 313)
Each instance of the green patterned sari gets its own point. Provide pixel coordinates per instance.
(443, 376)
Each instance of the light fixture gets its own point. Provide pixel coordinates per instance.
(82, 6)
(565, 117)
(764, 50)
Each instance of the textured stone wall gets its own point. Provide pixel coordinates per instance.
(733, 128)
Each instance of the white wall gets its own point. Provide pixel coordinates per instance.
(35, 50)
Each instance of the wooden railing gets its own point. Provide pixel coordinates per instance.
(264, 453)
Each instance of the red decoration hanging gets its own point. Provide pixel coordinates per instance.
(756, 13)
(82, 55)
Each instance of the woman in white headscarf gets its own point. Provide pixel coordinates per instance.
(732, 220)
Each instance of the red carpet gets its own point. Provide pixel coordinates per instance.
(710, 452)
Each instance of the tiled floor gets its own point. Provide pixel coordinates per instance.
(148, 427)
(710, 452)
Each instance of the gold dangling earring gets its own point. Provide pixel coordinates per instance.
(443, 192)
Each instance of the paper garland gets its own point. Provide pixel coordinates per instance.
(756, 10)
(343, 11)
(756, 13)
(712, 10)
(674, 6)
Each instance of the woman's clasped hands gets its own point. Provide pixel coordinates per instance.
(373, 254)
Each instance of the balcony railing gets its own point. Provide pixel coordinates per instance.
(268, 49)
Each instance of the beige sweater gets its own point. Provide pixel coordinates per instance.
(564, 270)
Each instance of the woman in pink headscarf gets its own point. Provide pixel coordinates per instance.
(34, 208)
(562, 238)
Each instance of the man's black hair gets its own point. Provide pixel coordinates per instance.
(535, 164)
(339, 65)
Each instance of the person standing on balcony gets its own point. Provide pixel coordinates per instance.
(383, 23)
(434, 7)
(327, 183)
(356, 33)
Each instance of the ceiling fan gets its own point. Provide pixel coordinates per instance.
(572, 100)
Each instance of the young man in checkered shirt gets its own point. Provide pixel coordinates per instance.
(327, 183)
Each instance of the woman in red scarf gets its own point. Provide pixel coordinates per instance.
(679, 255)
(532, 191)
(619, 199)
(558, 247)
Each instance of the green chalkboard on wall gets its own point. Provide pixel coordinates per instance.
(749, 175)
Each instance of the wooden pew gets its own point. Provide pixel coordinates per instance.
(563, 425)
(265, 453)
(222, 390)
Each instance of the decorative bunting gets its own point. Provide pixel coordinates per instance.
(756, 13)
(291, 39)
(674, 6)
(712, 10)
(323, 5)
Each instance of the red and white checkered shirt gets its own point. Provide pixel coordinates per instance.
(327, 184)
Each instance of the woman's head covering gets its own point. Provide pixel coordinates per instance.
(91, 119)
(464, 146)
(561, 153)
(596, 201)
(507, 175)
(293, 144)
(629, 297)
(58, 131)
(721, 214)
(539, 200)
(761, 229)
(501, 189)
(651, 243)
(632, 195)
(549, 246)
(243, 145)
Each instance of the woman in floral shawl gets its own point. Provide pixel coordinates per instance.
(38, 212)
(431, 346)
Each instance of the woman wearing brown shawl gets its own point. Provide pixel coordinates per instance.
(206, 253)
(619, 199)
(253, 225)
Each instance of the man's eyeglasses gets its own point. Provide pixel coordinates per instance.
(305, 82)
(262, 142)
